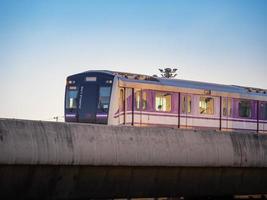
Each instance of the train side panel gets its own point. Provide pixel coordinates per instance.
(138, 107)
(114, 104)
(210, 119)
(263, 117)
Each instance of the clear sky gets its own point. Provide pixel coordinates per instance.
(42, 42)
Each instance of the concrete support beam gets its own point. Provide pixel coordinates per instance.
(36, 142)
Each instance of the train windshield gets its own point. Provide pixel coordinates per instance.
(104, 98)
(71, 98)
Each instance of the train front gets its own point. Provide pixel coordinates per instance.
(87, 97)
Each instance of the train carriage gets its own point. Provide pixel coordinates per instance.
(117, 98)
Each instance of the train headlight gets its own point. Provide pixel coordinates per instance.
(70, 82)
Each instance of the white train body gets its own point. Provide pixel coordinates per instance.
(140, 100)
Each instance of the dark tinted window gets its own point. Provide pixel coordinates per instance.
(265, 117)
(245, 109)
(71, 99)
(104, 98)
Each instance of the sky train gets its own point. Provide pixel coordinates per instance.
(118, 98)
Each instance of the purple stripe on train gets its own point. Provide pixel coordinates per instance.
(101, 115)
(196, 127)
(193, 117)
(71, 115)
(150, 106)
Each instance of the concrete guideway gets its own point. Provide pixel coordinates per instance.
(70, 160)
(36, 142)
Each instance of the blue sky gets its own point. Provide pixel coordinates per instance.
(42, 42)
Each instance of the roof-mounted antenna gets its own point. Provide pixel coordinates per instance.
(168, 72)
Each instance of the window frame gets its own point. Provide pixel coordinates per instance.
(249, 103)
(186, 104)
(206, 109)
(142, 103)
(189, 104)
(122, 99)
(137, 102)
(162, 94)
(100, 106)
(144, 100)
(183, 106)
(224, 106)
(74, 99)
(227, 106)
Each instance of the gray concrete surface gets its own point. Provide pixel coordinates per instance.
(36, 142)
(49, 160)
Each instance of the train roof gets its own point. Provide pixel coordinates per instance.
(214, 86)
(131, 77)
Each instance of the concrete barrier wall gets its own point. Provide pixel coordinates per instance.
(36, 142)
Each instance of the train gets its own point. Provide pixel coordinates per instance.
(121, 98)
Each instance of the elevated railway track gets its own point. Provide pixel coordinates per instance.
(48, 160)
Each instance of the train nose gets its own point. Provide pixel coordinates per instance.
(88, 103)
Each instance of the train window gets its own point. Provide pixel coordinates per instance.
(229, 107)
(189, 104)
(244, 109)
(186, 104)
(163, 102)
(206, 105)
(138, 100)
(71, 101)
(122, 102)
(265, 117)
(144, 100)
(104, 96)
(224, 106)
(183, 104)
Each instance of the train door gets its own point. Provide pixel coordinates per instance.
(122, 106)
(129, 106)
(226, 117)
(88, 103)
(189, 119)
(262, 108)
(141, 118)
(186, 120)
(144, 107)
(71, 103)
(183, 114)
(137, 107)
